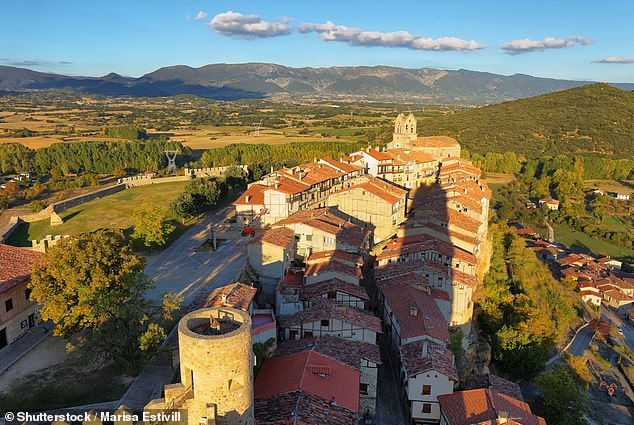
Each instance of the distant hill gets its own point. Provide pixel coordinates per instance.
(595, 119)
(261, 80)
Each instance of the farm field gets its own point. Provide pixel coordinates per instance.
(113, 211)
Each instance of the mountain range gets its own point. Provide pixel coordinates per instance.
(262, 80)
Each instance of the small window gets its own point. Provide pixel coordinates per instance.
(363, 389)
(309, 238)
(325, 323)
(332, 295)
(426, 407)
(27, 294)
(8, 304)
(426, 389)
(308, 334)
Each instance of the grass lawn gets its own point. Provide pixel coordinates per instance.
(581, 242)
(113, 211)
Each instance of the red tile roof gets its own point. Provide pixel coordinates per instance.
(341, 166)
(323, 309)
(254, 195)
(235, 295)
(333, 266)
(342, 256)
(16, 265)
(316, 290)
(346, 351)
(279, 236)
(310, 372)
(427, 320)
(403, 246)
(301, 408)
(435, 142)
(438, 358)
(324, 219)
(495, 383)
(483, 406)
(378, 188)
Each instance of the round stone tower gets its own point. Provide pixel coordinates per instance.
(216, 362)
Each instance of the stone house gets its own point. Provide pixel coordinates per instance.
(18, 313)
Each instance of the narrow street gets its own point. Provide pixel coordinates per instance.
(389, 409)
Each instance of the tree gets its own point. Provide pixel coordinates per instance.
(563, 403)
(151, 226)
(184, 206)
(92, 287)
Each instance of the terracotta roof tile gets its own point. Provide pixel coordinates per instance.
(435, 142)
(16, 265)
(310, 372)
(336, 266)
(316, 290)
(493, 382)
(416, 312)
(483, 406)
(279, 236)
(323, 309)
(235, 295)
(437, 358)
(254, 195)
(346, 351)
(301, 408)
(342, 256)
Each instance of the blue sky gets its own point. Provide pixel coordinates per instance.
(581, 39)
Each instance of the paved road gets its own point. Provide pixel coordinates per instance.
(581, 341)
(182, 270)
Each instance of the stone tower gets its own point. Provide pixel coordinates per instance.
(404, 131)
(216, 363)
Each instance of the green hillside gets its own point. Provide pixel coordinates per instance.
(595, 119)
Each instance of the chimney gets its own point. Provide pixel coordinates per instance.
(224, 298)
(503, 418)
(413, 311)
(425, 352)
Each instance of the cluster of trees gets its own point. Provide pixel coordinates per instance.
(92, 287)
(506, 162)
(525, 311)
(129, 132)
(93, 157)
(15, 158)
(104, 157)
(203, 194)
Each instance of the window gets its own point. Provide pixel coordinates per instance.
(426, 389)
(363, 389)
(308, 334)
(426, 407)
(332, 295)
(8, 304)
(27, 293)
(309, 238)
(325, 323)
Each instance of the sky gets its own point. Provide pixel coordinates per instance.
(580, 40)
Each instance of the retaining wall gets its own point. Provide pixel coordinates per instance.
(135, 181)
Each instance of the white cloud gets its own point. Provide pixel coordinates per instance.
(201, 15)
(614, 59)
(358, 37)
(234, 24)
(526, 45)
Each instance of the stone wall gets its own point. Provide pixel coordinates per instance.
(47, 242)
(212, 171)
(142, 180)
